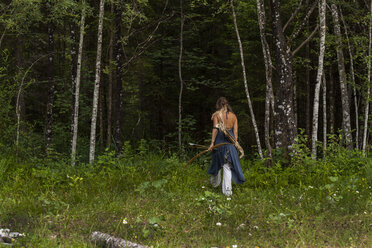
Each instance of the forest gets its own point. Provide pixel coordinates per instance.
(102, 101)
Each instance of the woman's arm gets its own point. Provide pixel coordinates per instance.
(214, 132)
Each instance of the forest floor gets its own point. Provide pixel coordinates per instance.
(149, 199)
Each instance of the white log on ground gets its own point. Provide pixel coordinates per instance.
(77, 88)
(96, 84)
(245, 81)
(106, 240)
(366, 111)
(322, 21)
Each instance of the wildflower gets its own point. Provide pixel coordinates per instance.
(310, 187)
(255, 227)
(234, 246)
(125, 221)
(156, 225)
(218, 224)
(203, 187)
(228, 198)
(357, 192)
(203, 198)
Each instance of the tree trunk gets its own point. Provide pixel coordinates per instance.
(73, 54)
(50, 101)
(346, 126)
(269, 99)
(100, 109)
(118, 52)
(110, 81)
(353, 83)
(20, 102)
(324, 115)
(181, 81)
(285, 129)
(331, 102)
(77, 87)
(322, 21)
(366, 110)
(245, 81)
(308, 87)
(96, 84)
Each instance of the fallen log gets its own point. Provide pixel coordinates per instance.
(106, 240)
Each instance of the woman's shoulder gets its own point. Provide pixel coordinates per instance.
(232, 115)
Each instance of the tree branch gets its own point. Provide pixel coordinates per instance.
(293, 15)
(297, 32)
(306, 41)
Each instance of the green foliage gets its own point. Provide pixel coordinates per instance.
(148, 198)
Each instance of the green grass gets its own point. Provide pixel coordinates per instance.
(312, 204)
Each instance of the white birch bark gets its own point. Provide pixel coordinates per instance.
(366, 110)
(324, 115)
(269, 100)
(77, 87)
(181, 81)
(245, 81)
(96, 83)
(353, 82)
(346, 126)
(322, 21)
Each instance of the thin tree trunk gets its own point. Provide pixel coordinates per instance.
(285, 128)
(181, 81)
(77, 86)
(118, 52)
(366, 111)
(245, 81)
(110, 81)
(346, 126)
(100, 109)
(331, 102)
(324, 115)
(73, 54)
(308, 87)
(322, 20)
(353, 83)
(20, 102)
(50, 101)
(269, 100)
(96, 84)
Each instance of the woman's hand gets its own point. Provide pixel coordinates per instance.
(210, 147)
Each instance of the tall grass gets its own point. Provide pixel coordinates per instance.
(326, 203)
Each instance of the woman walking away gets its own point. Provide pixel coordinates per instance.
(225, 130)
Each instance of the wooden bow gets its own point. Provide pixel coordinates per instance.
(205, 151)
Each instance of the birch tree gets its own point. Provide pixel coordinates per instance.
(324, 114)
(366, 110)
(352, 74)
(96, 83)
(346, 126)
(286, 129)
(180, 78)
(77, 87)
(118, 53)
(269, 99)
(322, 21)
(50, 99)
(245, 81)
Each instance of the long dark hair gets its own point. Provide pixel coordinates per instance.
(222, 103)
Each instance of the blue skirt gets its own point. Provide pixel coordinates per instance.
(226, 154)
